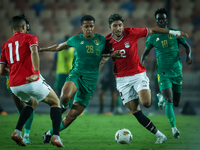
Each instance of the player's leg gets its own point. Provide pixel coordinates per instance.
(24, 115)
(101, 101)
(169, 111)
(176, 98)
(145, 97)
(134, 107)
(55, 114)
(114, 95)
(68, 90)
(20, 105)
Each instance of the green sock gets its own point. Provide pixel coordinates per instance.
(62, 127)
(170, 114)
(28, 123)
(119, 101)
(163, 99)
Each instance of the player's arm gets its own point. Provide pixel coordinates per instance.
(116, 53)
(4, 70)
(55, 47)
(157, 30)
(188, 53)
(144, 55)
(36, 63)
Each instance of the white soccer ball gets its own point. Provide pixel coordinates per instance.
(123, 136)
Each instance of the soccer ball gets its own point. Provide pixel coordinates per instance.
(123, 136)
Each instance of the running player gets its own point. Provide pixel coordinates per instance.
(132, 81)
(19, 104)
(169, 67)
(20, 53)
(83, 76)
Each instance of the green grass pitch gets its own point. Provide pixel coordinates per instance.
(96, 132)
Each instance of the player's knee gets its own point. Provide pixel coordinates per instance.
(65, 98)
(146, 104)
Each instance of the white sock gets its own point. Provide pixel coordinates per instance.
(158, 133)
(48, 132)
(26, 135)
(174, 129)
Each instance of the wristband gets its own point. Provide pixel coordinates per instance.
(172, 32)
(37, 72)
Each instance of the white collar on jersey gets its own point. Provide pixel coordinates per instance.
(116, 39)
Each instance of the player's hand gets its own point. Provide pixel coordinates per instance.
(117, 54)
(183, 34)
(188, 61)
(32, 78)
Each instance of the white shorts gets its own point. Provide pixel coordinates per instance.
(129, 86)
(38, 90)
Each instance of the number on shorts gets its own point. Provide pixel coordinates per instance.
(16, 51)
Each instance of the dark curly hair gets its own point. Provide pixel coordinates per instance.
(161, 11)
(115, 17)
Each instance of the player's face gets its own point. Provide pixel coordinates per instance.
(88, 29)
(161, 20)
(117, 28)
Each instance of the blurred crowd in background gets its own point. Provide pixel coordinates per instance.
(51, 20)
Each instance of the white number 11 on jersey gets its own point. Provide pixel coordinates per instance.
(16, 51)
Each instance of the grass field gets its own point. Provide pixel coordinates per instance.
(96, 132)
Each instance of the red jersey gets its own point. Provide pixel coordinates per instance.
(16, 54)
(130, 63)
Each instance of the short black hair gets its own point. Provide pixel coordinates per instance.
(115, 17)
(161, 11)
(18, 21)
(87, 18)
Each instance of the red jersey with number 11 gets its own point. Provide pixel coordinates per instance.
(16, 54)
(130, 63)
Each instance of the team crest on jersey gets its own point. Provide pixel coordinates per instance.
(82, 42)
(127, 45)
(157, 39)
(170, 36)
(96, 42)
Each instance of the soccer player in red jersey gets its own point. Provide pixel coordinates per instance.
(132, 81)
(20, 54)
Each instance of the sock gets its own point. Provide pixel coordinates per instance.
(24, 115)
(119, 102)
(28, 123)
(55, 114)
(163, 99)
(146, 122)
(26, 132)
(62, 127)
(170, 114)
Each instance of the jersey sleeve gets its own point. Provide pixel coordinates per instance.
(140, 32)
(149, 45)
(33, 41)
(71, 41)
